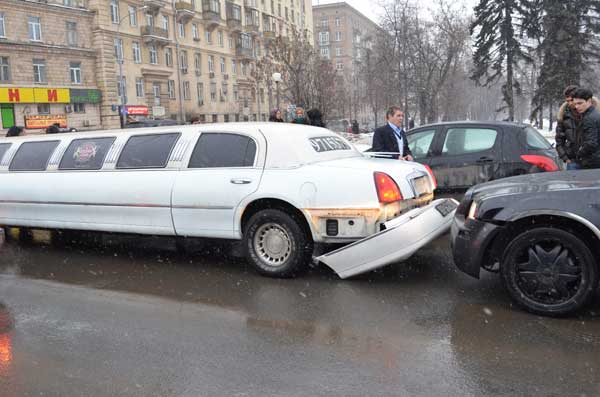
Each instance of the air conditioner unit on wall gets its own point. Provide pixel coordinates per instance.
(225, 76)
(86, 123)
(184, 70)
(211, 75)
(198, 72)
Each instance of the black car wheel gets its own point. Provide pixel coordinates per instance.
(276, 243)
(549, 271)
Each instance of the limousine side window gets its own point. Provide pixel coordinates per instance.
(33, 156)
(3, 148)
(147, 151)
(223, 150)
(86, 154)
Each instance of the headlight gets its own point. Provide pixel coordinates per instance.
(472, 211)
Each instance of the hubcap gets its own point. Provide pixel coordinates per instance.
(548, 272)
(272, 244)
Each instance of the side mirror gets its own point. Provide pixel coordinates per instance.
(553, 144)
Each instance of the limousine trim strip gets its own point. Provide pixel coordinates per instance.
(215, 207)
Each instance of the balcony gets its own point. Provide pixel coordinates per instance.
(154, 6)
(244, 53)
(234, 17)
(155, 35)
(184, 11)
(211, 13)
(251, 4)
(252, 22)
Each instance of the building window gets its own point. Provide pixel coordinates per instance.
(337, 22)
(4, 69)
(71, 28)
(122, 88)
(198, 63)
(149, 20)
(183, 61)
(156, 93)
(137, 54)
(114, 11)
(213, 92)
(186, 90)
(223, 70)
(153, 54)
(323, 38)
(233, 66)
(325, 52)
(211, 63)
(220, 38)
(243, 65)
(324, 23)
(181, 28)
(139, 87)
(171, 89)
(338, 36)
(35, 29)
(39, 70)
(43, 108)
(339, 66)
(132, 16)
(208, 37)
(119, 49)
(166, 23)
(338, 52)
(230, 42)
(224, 89)
(79, 107)
(68, 3)
(2, 29)
(169, 57)
(75, 72)
(195, 32)
(200, 88)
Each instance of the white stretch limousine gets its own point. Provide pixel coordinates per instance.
(279, 187)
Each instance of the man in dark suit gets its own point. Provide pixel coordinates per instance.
(391, 138)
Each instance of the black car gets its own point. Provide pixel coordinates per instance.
(463, 154)
(540, 232)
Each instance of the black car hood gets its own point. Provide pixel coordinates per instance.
(538, 183)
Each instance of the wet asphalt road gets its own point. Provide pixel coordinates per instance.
(137, 318)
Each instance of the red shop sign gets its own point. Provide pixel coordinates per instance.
(137, 110)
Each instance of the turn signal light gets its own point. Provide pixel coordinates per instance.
(428, 168)
(543, 162)
(387, 190)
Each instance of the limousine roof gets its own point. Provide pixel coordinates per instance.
(288, 145)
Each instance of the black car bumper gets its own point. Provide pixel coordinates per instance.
(470, 241)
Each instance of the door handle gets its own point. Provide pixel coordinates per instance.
(485, 159)
(240, 181)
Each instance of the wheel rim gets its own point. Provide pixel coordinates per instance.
(272, 243)
(548, 272)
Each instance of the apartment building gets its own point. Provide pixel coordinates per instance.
(47, 65)
(342, 34)
(97, 63)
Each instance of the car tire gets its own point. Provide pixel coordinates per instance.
(276, 244)
(549, 271)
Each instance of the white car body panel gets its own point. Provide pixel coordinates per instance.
(322, 182)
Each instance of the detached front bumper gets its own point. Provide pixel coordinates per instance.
(470, 241)
(402, 237)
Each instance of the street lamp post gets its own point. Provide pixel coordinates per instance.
(120, 60)
(277, 79)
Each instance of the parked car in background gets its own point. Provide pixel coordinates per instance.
(151, 123)
(541, 232)
(280, 188)
(463, 154)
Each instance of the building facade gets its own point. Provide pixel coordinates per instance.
(47, 65)
(100, 63)
(342, 34)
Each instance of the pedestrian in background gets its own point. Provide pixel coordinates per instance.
(275, 116)
(315, 117)
(391, 138)
(355, 128)
(588, 155)
(15, 131)
(568, 130)
(300, 116)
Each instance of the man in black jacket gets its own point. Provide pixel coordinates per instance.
(568, 130)
(391, 138)
(588, 154)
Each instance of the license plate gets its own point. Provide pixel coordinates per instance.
(446, 207)
(421, 185)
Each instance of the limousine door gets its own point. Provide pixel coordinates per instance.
(223, 169)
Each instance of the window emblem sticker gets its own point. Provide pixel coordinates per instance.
(85, 153)
(328, 143)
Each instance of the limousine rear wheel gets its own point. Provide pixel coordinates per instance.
(277, 245)
(549, 271)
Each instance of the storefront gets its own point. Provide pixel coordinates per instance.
(37, 108)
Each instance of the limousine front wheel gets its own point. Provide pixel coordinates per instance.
(277, 244)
